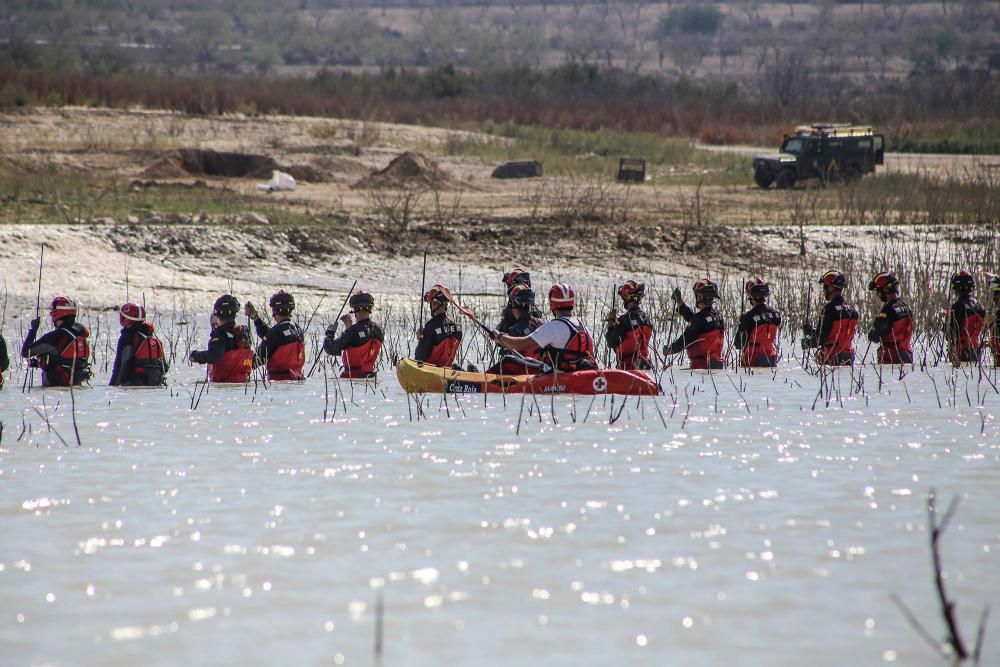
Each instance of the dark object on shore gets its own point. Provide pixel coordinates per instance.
(521, 169)
(631, 170)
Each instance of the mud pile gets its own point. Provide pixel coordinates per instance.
(406, 170)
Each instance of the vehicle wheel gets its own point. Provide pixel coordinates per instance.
(786, 179)
(763, 179)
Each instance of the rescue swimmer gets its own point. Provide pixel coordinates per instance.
(839, 320)
(521, 303)
(282, 346)
(359, 345)
(439, 340)
(139, 359)
(757, 333)
(704, 336)
(564, 342)
(964, 321)
(893, 326)
(629, 334)
(62, 354)
(229, 355)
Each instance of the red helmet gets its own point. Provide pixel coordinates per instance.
(130, 313)
(706, 288)
(884, 280)
(61, 307)
(562, 296)
(436, 294)
(632, 291)
(516, 277)
(522, 296)
(757, 289)
(833, 279)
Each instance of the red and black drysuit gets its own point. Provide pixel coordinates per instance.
(702, 339)
(282, 347)
(963, 328)
(507, 320)
(511, 364)
(358, 347)
(4, 359)
(139, 360)
(629, 337)
(995, 339)
(757, 337)
(835, 338)
(892, 330)
(229, 356)
(439, 341)
(62, 353)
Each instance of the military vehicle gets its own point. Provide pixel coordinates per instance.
(833, 153)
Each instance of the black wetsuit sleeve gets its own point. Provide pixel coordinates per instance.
(685, 312)
(426, 343)
(689, 335)
(47, 344)
(616, 332)
(743, 331)
(882, 325)
(216, 349)
(4, 358)
(826, 325)
(123, 355)
(956, 322)
(336, 346)
(261, 328)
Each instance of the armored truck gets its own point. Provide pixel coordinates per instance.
(833, 153)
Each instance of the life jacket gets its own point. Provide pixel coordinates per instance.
(838, 347)
(236, 364)
(70, 364)
(148, 360)
(443, 354)
(965, 346)
(359, 362)
(287, 361)
(761, 350)
(633, 352)
(577, 354)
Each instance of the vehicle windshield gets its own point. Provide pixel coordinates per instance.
(796, 146)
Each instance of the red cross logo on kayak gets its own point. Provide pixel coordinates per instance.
(600, 383)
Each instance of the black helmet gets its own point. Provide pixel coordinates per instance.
(706, 289)
(362, 301)
(227, 306)
(962, 282)
(522, 296)
(757, 288)
(282, 303)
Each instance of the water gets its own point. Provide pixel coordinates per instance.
(249, 531)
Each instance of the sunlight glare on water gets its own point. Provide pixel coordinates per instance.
(251, 531)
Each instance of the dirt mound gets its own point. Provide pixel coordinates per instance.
(406, 170)
(186, 162)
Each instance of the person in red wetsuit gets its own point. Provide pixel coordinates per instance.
(62, 353)
(995, 328)
(139, 360)
(439, 340)
(4, 358)
(229, 355)
(757, 334)
(512, 280)
(629, 334)
(282, 346)
(565, 343)
(965, 321)
(893, 326)
(361, 342)
(705, 333)
(835, 336)
(521, 302)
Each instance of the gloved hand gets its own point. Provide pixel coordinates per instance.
(612, 317)
(250, 311)
(34, 324)
(193, 357)
(494, 335)
(346, 319)
(331, 331)
(676, 296)
(808, 329)
(808, 341)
